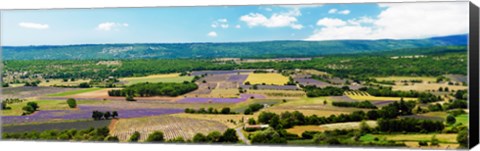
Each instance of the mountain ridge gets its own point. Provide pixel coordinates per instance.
(258, 49)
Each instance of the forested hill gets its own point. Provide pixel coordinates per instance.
(266, 49)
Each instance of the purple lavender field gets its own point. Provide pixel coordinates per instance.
(84, 112)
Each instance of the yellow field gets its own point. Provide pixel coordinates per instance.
(402, 78)
(361, 96)
(428, 86)
(267, 78)
(60, 82)
(173, 77)
(347, 125)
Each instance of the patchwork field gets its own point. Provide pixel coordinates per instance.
(240, 107)
(361, 96)
(267, 78)
(171, 126)
(174, 77)
(346, 125)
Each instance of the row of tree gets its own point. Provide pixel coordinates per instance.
(225, 110)
(97, 115)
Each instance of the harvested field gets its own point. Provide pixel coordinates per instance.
(171, 126)
(267, 78)
(78, 125)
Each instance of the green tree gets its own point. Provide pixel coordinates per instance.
(72, 103)
(462, 138)
(451, 119)
(229, 136)
(199, 138)
(135, 137)
(112, 139)
(214, 137)
(156, 136)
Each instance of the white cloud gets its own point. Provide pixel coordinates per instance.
(331, 22)
(344, 12)
(399, 21)
(332, 11)
(31, 25)
(336, 11)
(212, 34)
(222, 22)
(238, 26)
(108, 26)
(286, 19)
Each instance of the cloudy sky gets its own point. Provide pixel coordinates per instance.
(234, 23)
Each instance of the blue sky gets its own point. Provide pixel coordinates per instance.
(233, 23)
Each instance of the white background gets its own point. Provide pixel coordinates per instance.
(70, 146)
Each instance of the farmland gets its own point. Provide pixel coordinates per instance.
(326, 100)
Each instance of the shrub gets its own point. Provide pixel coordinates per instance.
(156, 136)
(135, 137)
(72, 103)
(451, 119)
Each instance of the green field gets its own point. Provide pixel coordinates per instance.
(75, 92)
(462, 119)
